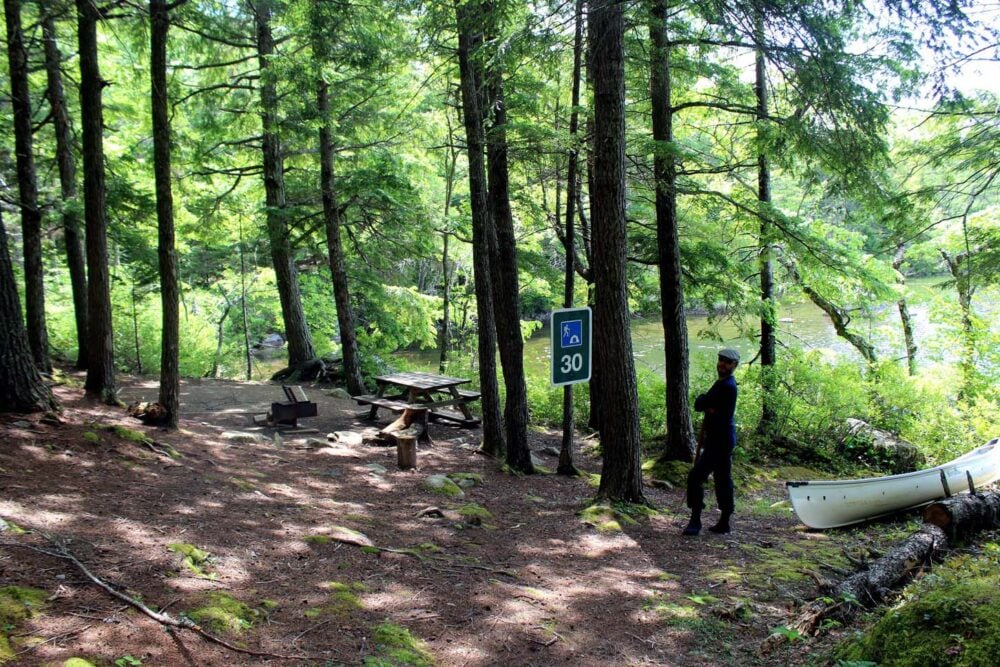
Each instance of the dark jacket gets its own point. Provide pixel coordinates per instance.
(720, 427)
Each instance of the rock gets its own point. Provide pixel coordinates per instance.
(466, 480)
(881, 448)
(441, 484)
(377, 469)
(22, 424)
(339, 393)
(550, 451)
(242, 437)
(433, 512)
(661, 484)
(350, 438)
(315, 443)
(349, 536)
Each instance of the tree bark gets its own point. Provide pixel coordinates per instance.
(566, 464)
(680, 443)
(621, 477)
(506, 299)
(27, 187)
(159, 15)
(841, 321)
(21, 386)
(300, 345)
(904, 313)
(76, 258)
(335, 247)
(468, 41)
(768, 304)
(100, 381)
(451, 161)
(965, 291)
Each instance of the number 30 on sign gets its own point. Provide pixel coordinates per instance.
(571, 345)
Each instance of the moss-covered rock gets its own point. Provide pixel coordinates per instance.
(466, 480)
(950, 618)
(673, 472)
(605, 518)
(473, 510)
(441, 484)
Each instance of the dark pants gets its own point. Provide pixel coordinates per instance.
(717, 462)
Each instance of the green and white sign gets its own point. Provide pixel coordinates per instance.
(571, 345)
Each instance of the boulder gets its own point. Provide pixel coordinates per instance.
(880, 448)
(446, 487)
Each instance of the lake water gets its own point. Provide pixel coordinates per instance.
(801, 325)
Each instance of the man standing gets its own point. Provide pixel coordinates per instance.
(715, 446)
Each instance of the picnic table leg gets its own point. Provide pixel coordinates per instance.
(373, 412)
(462, 405)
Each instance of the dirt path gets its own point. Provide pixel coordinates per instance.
(511, 574)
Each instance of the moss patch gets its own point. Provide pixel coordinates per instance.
(318, 539)
(128, 434)
(343, 600)
(91, 437)
(193, 559)
(466, 480)
(224, 613)
(443, 485)
(948, 618)
(397, 646)
(78, 662)
(17, 604)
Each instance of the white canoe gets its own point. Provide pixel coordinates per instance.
(829, 504)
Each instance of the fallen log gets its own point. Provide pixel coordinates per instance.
(868, 588)
(965, 514)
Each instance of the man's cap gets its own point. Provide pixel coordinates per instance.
(730, 354)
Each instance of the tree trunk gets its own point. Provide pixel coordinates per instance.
(768, 305)
(621, 476)
(243, 307)
(451, 162)
(100, 381)
(170, 343)
(506, 299)
(76, 259)
(468, 41)
(904, 313)
(566, 464)
(964, 290)
(335, 248)
(964, 514)
(680, 432)
(27, 187)
(300, 345)
(840, 319)
(21, 386)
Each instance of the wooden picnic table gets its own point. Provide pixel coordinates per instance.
(422, 391)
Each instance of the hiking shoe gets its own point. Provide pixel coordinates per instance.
(693, 528)
(721, 528)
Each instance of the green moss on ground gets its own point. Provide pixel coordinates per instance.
(343, 600)
(396, 646)
(193, 558)
(78, 662)
(17, 604)
(224, 613)
(474, 510)
(950, 618)
(129, 434)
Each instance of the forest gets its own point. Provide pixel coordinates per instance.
(320, 192)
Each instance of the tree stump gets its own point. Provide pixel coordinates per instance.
(406, 449)
(965, 514)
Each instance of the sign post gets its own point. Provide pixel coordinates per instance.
(571, 345)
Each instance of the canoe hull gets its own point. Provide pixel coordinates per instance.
(831, 504)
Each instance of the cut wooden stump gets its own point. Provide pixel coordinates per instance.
(965, 514)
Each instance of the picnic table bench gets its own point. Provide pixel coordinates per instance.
(423, 392)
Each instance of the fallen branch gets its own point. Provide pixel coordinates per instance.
(161, 618)
(964, 514)
(868, 588)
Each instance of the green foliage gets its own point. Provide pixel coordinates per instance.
(193, 559)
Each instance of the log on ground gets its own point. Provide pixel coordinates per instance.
(965, 514)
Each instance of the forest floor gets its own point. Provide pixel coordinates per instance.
(513, 573)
